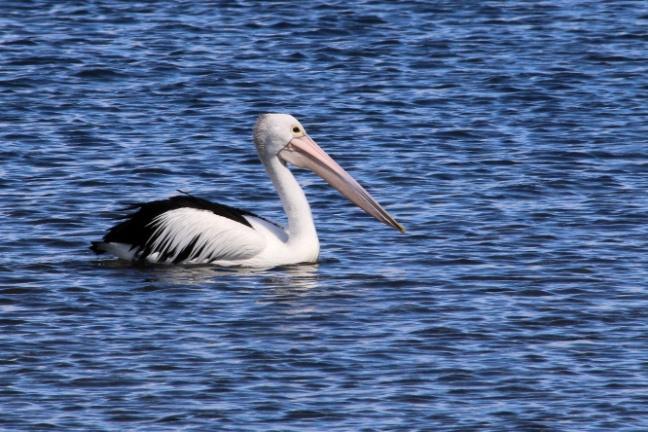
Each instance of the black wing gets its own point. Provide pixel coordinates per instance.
(138, 231)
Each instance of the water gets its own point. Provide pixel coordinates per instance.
(508, 137)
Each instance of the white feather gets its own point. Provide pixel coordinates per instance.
(217, 237)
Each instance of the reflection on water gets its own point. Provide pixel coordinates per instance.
(293, 279)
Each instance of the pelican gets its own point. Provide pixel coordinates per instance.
(188, 230)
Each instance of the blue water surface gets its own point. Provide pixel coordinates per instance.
(510, 138)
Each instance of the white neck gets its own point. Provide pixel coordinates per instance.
(301, 228)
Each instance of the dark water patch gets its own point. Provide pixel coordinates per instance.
(100, 74)
(16, 83)
(43, 60)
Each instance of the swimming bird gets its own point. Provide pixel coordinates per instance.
(188, 230)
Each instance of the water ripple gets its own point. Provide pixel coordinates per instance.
(509, 138)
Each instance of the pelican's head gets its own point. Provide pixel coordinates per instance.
(273, 131)
(282, 136)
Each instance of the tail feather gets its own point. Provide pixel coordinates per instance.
(98, 247)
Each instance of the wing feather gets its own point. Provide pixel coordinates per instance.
(195, 235)
(183, 229)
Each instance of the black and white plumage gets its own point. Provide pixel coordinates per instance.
(188, 230)
(176, 230)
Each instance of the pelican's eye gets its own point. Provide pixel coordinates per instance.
(297, 131)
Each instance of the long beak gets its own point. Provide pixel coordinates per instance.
(303, 152)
